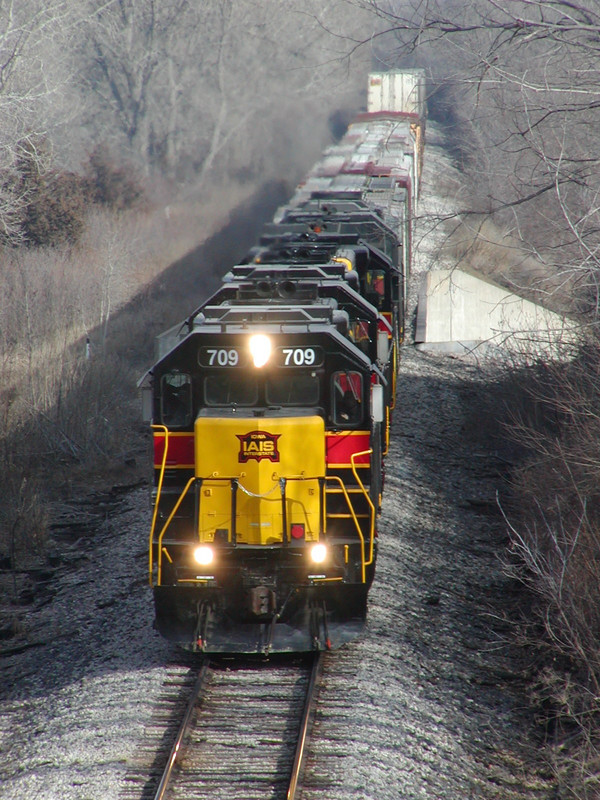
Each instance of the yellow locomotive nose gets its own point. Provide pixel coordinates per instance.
(262, 478)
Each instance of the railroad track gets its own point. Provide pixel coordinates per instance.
(243, 733)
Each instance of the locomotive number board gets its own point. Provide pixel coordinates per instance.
(227, 357)
(223, 357)
(299, 356)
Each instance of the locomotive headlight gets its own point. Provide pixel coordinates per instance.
(203, 555)
(318, 553)
(260, 347)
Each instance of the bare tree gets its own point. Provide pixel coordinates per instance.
(29, 32)
(517, 84)
(181, 82)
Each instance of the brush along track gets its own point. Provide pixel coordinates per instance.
(243, 732)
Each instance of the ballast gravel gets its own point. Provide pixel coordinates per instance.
(429, 704)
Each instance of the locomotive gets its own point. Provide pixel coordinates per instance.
(270, 405)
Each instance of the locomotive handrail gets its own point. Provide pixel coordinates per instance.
(302, 477)
(254, 494)
(234, 480)
(280, 482)
(356, 522)
(321, 481)
(369, 501)
(387, 431)
(158, 491)
(193, 479)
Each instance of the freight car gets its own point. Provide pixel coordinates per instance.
(270, 405)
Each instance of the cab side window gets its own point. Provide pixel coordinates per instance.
(176, 399)
(359, 333)
(347, 411)
(375, 287)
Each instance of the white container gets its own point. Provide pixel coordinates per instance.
(399, 91)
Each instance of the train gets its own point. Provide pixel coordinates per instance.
(270, 404)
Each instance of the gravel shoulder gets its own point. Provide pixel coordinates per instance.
(429, 703)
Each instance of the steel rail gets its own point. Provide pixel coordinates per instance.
(305, 725)
(168, 771)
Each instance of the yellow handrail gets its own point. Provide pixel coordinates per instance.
(223, 478)
(387, 430)
(369, 501)
(356, 522)
(230, 478)
(166, 525)
(394, 377)
(364, 561)
(158, 491)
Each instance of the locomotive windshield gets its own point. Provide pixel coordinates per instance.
(294, 390)
(374, 287)
(359, 333)
(230, 388)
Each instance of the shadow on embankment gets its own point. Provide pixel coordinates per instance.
(86, 489)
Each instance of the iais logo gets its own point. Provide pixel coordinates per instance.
(258, 445)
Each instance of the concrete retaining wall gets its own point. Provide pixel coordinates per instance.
(458, 312)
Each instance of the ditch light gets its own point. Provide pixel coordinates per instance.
(318, 553)
(203, 555)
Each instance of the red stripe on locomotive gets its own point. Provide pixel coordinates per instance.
(181, 450)
(381, 326)
(341, 445)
